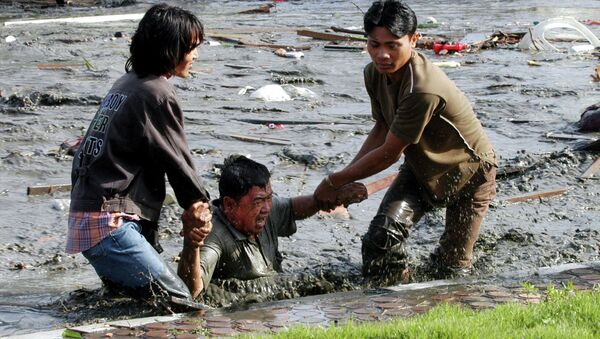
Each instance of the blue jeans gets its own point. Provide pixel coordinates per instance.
(126, 260)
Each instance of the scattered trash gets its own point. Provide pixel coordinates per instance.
(118, 34)
(245, 89)
(275, 126)
(295, 91)
(591, 22)
(10, 39)
(474, 38)
(596, 75)
(88, 64)
(590, 119)
(430, 23)
(533, 63)
(213, 43)
(61, 204)
(535, 38)
(264, 9)
(280, 92)
(71, 146)
(282, 80)
(286, 54)
(271, 93)
(447, 64)
(582, 48)
(437, 47)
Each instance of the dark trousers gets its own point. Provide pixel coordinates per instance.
(404, 204)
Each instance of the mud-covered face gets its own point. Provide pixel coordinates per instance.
(182, 69)
(249, 214)
(388, 52)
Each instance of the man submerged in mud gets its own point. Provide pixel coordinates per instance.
(248, 219)
(118, 175)
(449, 161)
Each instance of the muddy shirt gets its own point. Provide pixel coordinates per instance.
(135, 138)
(227, 253)
(425, 109)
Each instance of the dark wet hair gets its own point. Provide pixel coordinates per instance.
(163, 37)
(393, 15)
(239, 175)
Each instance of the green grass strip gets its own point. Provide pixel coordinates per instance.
(563, 314)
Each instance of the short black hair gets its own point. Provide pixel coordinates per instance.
(393, 15)
(163, 37)
(239, 175)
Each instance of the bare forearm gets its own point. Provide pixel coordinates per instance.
(375, 139)
(370, 164)
(189, 269)
(304, 206)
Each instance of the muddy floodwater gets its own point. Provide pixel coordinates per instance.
(53, 76)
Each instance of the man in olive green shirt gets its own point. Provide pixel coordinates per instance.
(449, 160)
(247, 221)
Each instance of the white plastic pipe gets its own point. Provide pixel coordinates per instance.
(82, 20)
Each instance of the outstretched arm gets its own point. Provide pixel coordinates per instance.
(306, 205)
(196, 227)
(375, 139)
(373, 162)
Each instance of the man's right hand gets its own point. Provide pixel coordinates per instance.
(351, 193)
(197, 224)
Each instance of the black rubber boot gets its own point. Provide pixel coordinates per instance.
(383, 250)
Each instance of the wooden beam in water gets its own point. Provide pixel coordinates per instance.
(249, 138)
(537, 195)
(329, 36)
(594, 167)
(49, 189)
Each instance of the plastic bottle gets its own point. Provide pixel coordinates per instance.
(437, 47)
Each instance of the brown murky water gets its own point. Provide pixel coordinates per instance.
(49, 95)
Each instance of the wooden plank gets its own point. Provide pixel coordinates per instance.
(346, 30)
(275, 46)
(537, 195)
(344, 48)
(40, 190)
(274, 141)
(328, 36)
(380, 184)
(297, 122)
(594, 167)
(244, 42)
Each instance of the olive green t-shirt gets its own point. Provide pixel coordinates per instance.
(227, 253)
(426, 109)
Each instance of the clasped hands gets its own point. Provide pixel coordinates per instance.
(329, 197)
(197, 224)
